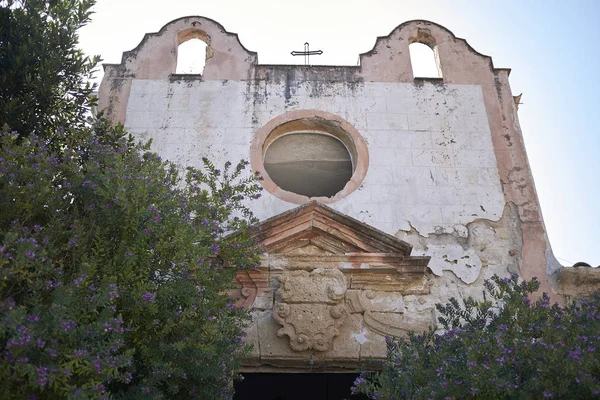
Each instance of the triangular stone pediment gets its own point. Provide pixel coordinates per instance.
(314, 228)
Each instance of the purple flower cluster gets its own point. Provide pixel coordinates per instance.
(113, 291)
(149, 297)
(80, 353)
(22, 338)
(68, 325)
(42, 376)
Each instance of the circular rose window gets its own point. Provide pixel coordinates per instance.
(311, 164)
(310, 155)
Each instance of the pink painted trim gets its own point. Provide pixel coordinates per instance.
(266, 134)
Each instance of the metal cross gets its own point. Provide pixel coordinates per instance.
(307, 53)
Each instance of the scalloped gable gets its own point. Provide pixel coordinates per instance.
(155, 57)
(388, 60)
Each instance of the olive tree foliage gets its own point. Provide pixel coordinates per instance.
(44, 77)
(508, 347)
(114, 265)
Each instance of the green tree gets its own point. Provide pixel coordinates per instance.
(507, 348)
(44, 77)
(113, 265)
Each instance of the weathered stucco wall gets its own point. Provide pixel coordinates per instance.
(444, 169)
(432, 163)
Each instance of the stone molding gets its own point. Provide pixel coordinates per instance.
(310, 120)
(330, 231)
(250, 284)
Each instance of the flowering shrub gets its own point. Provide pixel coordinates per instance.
(113, 269)
(508, 348)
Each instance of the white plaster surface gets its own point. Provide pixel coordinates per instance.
(432, 164)
(361, 337)
(465, 264)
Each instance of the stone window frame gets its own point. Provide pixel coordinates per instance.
(314, 121)
(189, 34)
(423, 36)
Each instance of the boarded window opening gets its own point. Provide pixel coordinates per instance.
(310, 164)
(424, 61)
(191, 57)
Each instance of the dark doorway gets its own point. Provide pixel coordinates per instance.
(296, 387)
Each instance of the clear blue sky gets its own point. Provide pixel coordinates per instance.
(552, 47)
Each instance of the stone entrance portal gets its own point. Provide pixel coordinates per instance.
(282, 386)
(328, 292)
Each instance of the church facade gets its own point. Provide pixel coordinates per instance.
(384, 193)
